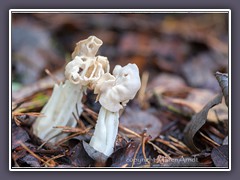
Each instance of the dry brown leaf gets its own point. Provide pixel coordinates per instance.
(220, 156)
(197, 121)
(138, 121)
(223, 82)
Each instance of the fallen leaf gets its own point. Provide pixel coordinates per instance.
(29, 160)
(223, 82)
(125, 156)
(18, 154)
(138, 121)
(79, 157)
(220, 156)
(18, 135)
(99, 157)
(197, 121)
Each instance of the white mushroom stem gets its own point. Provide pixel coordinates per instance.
(82, 72)
(113, 93)
(105, 133)
(58, 112)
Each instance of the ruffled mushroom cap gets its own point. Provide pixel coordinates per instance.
(87, 47)
(86, 70)
(114, 91)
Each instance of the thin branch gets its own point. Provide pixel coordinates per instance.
(73, 135)
(52, 76)
(144, 139)
(135, 154)
(33, 154)
(122, 128)
(209, 139)
(142, 91)
(55, 157)
(159, 149)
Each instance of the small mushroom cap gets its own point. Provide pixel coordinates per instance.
(87, 47)
(115, 91)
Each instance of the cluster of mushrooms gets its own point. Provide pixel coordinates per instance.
(87, 70)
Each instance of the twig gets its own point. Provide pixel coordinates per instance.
(17, 106)
(52, 76)
(209, 139)
(125, 165)
(183, 146)
(19, 121)
(167, 143)
(159, 149)
(122, 128)
(55, 157)
(73, 135)
(135, 154)
(216, 132)
(33, 154)
(77, 118)
(141, 93)
(149, 142)
(91, 112)
(144, 139)
(35, 114)
(68, 129)
(47, 141)
(89, 120)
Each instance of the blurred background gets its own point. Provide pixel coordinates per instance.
(192, 46)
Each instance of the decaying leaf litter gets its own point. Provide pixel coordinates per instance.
(183, 63)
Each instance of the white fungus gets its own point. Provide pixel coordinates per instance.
(114, 91)
(82, 72)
